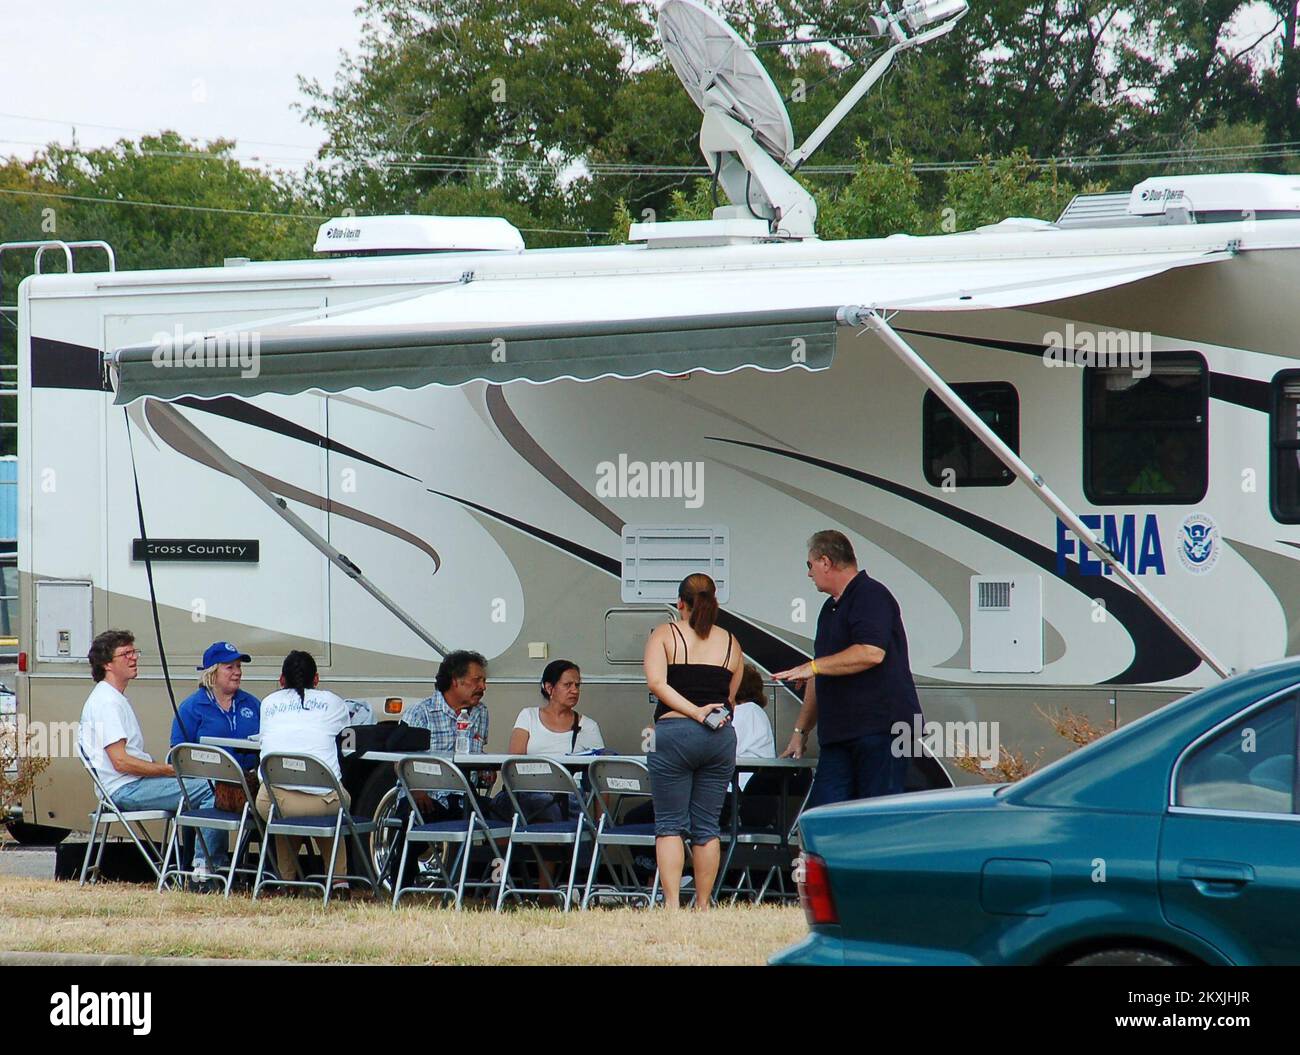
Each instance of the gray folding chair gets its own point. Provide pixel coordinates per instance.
(537, 774)
(283, 771)
(431, 776)
(622, 784)
(217, 767)
(758, 841)
(107, 814)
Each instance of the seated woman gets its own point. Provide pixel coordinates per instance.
(754, 737)
(219, 707)
(302, 719)
(554, 729)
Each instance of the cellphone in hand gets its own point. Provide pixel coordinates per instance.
(715, 718)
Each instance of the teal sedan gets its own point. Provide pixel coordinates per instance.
(1172, 840)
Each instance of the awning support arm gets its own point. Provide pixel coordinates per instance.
(280, 507)
(871, 319)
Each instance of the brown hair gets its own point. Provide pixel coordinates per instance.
(835, 545)
(103, 647)
(700, 594)
(751, 687)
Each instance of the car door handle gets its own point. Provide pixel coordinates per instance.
(1217, 878)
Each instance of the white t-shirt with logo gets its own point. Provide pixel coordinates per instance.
(307, 726)
(541, 741)
(107, 718)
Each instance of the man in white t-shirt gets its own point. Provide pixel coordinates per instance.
(110, 736)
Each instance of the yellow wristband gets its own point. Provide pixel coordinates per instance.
(814, 667)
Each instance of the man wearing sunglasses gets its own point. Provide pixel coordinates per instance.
(111, 737)
(859, 683)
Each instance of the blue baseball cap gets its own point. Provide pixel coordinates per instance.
(222, 652)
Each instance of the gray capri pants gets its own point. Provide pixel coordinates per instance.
(690, 768)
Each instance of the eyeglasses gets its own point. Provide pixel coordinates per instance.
(130, 653)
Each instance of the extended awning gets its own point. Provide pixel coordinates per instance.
(550, 326)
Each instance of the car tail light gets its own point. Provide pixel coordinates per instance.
(815, 892)
(22, 662)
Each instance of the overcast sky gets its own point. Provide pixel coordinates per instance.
(131, 66)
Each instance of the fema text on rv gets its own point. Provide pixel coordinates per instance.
(228, 350)
(1116, 349)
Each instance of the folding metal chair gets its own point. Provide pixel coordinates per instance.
(755, 838)
(622, 783)
(217, 767)
(285, 771)
(107, 814)
(537, 774)
(431, 776)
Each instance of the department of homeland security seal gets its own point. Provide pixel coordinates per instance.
(1198, 543)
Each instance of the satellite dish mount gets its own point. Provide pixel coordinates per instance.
(746, 136)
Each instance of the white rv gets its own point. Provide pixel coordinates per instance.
(1071, 450)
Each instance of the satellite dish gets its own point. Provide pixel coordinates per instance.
(719, 69)
(746, 135)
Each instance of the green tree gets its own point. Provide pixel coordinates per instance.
(446, 90)
(166, 202)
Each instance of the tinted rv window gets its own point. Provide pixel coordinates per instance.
(1146, 439)
(952, 454)
(1285, 468)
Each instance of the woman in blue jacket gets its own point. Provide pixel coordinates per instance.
(219, 707)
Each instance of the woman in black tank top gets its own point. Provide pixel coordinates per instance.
(691, 759)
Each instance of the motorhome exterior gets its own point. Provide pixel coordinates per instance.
(601, 421)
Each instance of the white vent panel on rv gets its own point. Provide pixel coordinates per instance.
(63, 621)
(1006, 624)
(657, 558)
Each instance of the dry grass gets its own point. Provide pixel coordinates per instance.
(45, 916)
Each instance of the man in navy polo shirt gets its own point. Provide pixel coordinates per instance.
(859, 682)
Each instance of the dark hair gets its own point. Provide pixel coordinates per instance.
(456, 665)
(555, 670)
(103, 647)
(751, 687)
(699, 593)
(299, 672)
(835, 545)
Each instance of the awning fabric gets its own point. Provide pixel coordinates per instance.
(544, 327)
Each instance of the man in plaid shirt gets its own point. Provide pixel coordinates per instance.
(459, 686)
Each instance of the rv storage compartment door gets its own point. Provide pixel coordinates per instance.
(63, 621)
(1006, 624)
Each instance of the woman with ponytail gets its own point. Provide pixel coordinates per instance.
(693, 668)
(302, 719)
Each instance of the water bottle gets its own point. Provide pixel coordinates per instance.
(462, 732)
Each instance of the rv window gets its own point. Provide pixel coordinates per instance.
(952, 455)
(1285, 468)
(1146, 439)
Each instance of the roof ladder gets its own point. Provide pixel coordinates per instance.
(8, 382)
